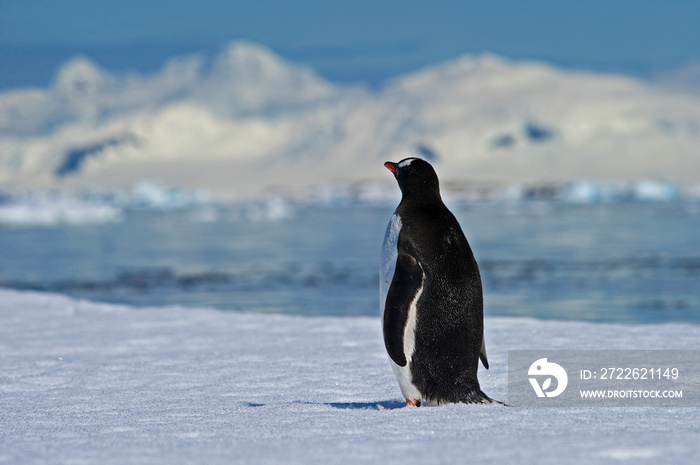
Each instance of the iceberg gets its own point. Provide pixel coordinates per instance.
(156, 196)
(654, 191)
(587, 192)
(270, 209)
(42, 209)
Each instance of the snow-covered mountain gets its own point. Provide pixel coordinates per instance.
(247, 120)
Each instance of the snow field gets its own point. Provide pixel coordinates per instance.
(83, 382)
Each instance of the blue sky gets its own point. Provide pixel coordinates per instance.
(349, 40)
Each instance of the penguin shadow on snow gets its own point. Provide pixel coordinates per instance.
(392, 404)
(383, 405)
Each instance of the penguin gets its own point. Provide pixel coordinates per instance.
(431, 300)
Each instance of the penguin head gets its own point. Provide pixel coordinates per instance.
(417, 179)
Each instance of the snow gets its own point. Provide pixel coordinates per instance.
(246, 120)
(84, 382)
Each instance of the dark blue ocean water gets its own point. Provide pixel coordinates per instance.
(622, 262)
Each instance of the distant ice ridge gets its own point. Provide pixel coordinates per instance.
(640, 191)
(53, 209)
(156, 196)
(577, 192)
(37, 208)
(269, 209)
(98, 207)
(364, 193)
(41, 208)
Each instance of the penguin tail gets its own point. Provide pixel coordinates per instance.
(476, 396)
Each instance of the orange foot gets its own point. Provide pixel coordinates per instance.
(413, 402)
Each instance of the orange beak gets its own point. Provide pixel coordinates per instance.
(390, 166)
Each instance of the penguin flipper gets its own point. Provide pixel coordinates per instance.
(407, 281)
(482, 354)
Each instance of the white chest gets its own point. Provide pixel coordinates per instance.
(387, 266)
(386, 275)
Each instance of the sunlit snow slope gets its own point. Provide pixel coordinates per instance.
(246, 120)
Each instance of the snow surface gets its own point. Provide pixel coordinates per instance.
(83, 382)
